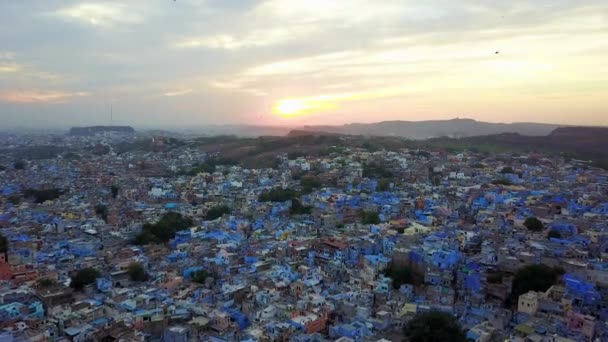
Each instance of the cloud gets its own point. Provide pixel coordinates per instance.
(6, 68)
(99, 14)
(258, 38)
(178, 92)
(38, 96)
(242, 56)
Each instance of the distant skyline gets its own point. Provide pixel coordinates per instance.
(187, 63)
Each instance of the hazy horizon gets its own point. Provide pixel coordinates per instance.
(287, 63)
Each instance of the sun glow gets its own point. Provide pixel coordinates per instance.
(296, 107)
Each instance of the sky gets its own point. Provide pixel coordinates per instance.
(185, 63)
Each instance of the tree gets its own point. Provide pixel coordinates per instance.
(298, 209)
(163, 230)
(554, 234)
(137, 272)
(534, 278)
(84, 277)
(507, 169)
(434, 326)
(41, 196)
(534, 224)
(14, 199)
(45, 282)
(277, 195)
(402, 275)
(200, 276)
(19, 165)
(3, 244)
(384, 184)
(502, 181)
(102, 211)
(216, 212)
(114, 189)
(309, 183)
(370, 217)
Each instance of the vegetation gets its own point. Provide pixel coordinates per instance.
(376, 170)
(163, 230)
(384, 184)
(137, 272)
(502, 181)
(3, 244)
(298, 209)
(309, 183)
(101, 210)
(278, 195)
(41, 196)
(433, 326)
(534, 278)
(19, 165)
(114, 189)
(370, 217)
(495, 278)
(14, 199)
(554, 234)
(45, 282)
(209, 166)
(84, 277)
(534, 224)
(200, 276)
(507, 169)
(402, 275)
(217, 211)
(2, 168)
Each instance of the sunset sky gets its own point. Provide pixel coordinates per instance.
(167, 63)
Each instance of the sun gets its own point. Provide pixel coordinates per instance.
(290, 107)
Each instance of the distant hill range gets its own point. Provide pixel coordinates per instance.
(92, 130)
(455, 128)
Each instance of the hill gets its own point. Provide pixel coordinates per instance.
(588, 143)
(436, 128)
(92, 130)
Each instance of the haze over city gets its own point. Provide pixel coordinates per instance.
(182, 63)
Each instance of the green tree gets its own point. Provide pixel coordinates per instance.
(402, 275)
(84, 277)
(309, 183)
(41, 196)
(384, 184)
(102, 211)
(114, 189)
(507, 169)
(19, 165)
(216, 212)
(137, 272)
(298, 209)
(200, 276)
(433, 326)
(14, 199)
(502, 181)
(554, 234)
(534, 278)
(163, 230)
(534, 224)
(277, 195)
(45, 282)
(3, 244)
(370, 217)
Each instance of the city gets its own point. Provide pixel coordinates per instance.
(165, 241)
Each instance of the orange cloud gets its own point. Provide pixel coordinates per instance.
(38, 96)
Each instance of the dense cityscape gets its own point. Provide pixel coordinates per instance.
(134, 236)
